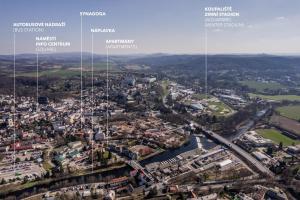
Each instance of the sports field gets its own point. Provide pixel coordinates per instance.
(277, 137)
(219, 108)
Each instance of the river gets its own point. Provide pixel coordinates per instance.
(96, 177)
(171, 153)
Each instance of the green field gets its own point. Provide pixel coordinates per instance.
(52, 73)
(217, 108)
(277, 137)
(277, 97)
(260, 86)
(164, 85)
(46, 165)
(69, 72)
(221, 109)
(200, 96)
(290, 111)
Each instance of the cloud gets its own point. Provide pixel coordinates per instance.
(280, 18)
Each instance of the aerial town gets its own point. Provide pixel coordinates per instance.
(155, 100)
(144, 136)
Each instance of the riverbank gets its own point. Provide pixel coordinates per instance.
(11, 189)
(90, 177)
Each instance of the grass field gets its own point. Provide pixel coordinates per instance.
(46, 165)
(200, 96)
(290, 111)
(68, 72)
(260, 86)
(219, 108)
(216, 106)
(277, 137)
(164, 85)
(277, 97)
(52, 73)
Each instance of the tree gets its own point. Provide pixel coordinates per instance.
(48, 174)
(25, 179)
(225, 189)
(269, 150)
(153, 192)
(214, 119)
(3, 181)
(99, 156)
(18, 160)
(280, 145)
(293, 144)
(205, 176)
(1, 157)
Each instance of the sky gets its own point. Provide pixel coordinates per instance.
(157, 26)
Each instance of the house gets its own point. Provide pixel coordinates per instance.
(294, 149)
(260, 156)
(43, 100)
(60, 159)
(100, 135)
(196, 106)
(275, 194)
(75, 145)
(224, 163)
(256, 140)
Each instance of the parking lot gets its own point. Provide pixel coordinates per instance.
(30, 170)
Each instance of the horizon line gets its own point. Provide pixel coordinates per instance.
(158, 53)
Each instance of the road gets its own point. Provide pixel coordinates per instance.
(136, 165)
(263, 169)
